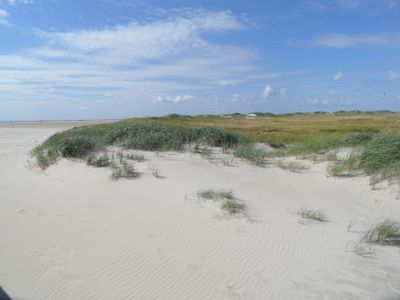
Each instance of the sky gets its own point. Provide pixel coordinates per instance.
(109, 59)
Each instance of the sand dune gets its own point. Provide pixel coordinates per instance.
(72, 233)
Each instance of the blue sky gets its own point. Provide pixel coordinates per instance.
(96, 59)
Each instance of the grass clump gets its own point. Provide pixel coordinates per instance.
(386, 233)
(292, 166)
(124, 170)
(215, 194)
(345, 167)
(99, 162)
(232, 206)
(249, 153)
(136, 156)
(229, 203)
(314, 215)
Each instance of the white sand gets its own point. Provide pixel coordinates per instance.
(72, 233)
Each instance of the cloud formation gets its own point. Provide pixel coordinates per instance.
(338, 76)
(130, 62)
(393, 75)
(3, 17)
(177, 99)
(342, 40)
(14, 2)
(268, 92)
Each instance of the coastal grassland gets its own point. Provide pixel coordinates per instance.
(280, 130)
(374, 138)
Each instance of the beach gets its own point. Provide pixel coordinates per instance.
(70, 232)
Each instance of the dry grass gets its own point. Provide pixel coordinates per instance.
(283, 129)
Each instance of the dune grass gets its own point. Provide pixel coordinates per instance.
(99, 161)
(377, 156)
(375, 135)
(136, 156)
(81, 142)
(215, 194)
(385, 233)
(229, 203)
(250, 154)
(124, 170)
(314, 215)
(292, 166)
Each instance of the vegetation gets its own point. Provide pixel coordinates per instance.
(280, 130)
(374, 136)
(215, 194)
(136, 157)
(229, 203)
(99, 162)
(315, 215)
(123, 170)
(81, 142)
(249, 153)
(386, 233)
(292, 166)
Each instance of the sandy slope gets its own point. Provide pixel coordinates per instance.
(72, 233)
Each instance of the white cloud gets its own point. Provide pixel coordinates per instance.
(332, 92)
(268, 92)
(338, 76)
(136, 42)
(284, 92)
(393, 75)
(14, 2)
(316, 101)
(236, 97)
(3, 17)
(227, 83)
(341, 40)
(170, 56)
(177, 99)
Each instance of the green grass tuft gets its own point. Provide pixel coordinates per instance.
(386, 233)
(124, 170)
(315, 215)
(292, 166)
(99, 162)
(229, 203)
(249, 153)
